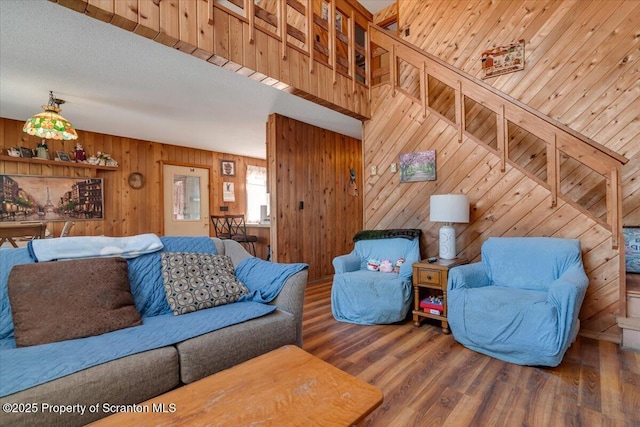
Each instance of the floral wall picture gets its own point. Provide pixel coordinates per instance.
(418, 166)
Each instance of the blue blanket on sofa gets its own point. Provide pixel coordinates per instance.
(26, 367)
(22, 368)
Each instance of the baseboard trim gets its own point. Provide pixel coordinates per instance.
(601, 336)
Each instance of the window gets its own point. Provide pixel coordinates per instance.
(256, 192)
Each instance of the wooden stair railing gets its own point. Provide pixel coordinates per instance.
(558, 137)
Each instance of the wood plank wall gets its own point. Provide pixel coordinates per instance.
(310, 165)
(582, 68)
(128, 211)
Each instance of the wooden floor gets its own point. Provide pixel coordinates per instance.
(428, 379)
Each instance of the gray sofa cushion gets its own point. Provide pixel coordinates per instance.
(207, 354)
(132, 379)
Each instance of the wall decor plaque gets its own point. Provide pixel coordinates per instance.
(503, 60)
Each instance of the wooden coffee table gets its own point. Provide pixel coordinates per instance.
(287, 386)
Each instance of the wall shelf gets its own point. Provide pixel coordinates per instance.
(35, 160)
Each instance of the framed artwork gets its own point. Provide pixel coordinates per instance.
(631, 249)
(50, 198)
(63, 156)
(228, 192)
(503, 60)
(418, 166)
(227, 167)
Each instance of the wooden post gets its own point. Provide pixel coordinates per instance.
(614, 205)
(282, 26)
(553, 170)
(503, 144)
(332, 39)
(460, 111)
(393, 70)
(424, 90)
(250, 8)
(352, 50)
(367, 61)
(310, 39)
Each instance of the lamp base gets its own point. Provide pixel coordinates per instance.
(447, 242)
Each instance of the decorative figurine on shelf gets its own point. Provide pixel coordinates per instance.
(80, 156)
(106, 160)
(42, 151)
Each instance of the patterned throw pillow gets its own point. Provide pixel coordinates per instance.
(195, 281)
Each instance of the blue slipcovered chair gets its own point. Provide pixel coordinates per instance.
(521, 303)
(366, 297)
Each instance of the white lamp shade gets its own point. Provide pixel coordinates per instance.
(449, 208)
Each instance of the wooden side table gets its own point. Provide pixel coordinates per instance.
(430, 279)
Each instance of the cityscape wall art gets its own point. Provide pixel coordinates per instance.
(47, 198)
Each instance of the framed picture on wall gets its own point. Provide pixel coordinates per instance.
(63, 156)
(631, 249)
(227, 167)
(50, 198)
(418, 166)
(25, 152)
(228, 192)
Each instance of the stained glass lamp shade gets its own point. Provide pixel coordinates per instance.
(50, 124)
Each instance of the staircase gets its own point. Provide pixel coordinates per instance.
(545, 150)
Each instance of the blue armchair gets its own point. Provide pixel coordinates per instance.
(521, 303)
(369, 297)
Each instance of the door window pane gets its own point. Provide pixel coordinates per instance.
(186, 198)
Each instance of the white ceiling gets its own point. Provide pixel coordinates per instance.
(119, 83)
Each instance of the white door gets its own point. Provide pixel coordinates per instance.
(186, 201)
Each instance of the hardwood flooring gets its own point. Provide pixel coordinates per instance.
(428, 379)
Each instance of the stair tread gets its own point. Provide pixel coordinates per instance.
(633, 283)
(629, 323)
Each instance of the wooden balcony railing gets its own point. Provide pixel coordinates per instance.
(317, 49)
(393, 56)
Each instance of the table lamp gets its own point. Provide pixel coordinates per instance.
(448, 208)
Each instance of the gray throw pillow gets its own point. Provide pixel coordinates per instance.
(195, 281)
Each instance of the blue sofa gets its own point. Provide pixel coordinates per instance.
(521, 303)
(366, 297)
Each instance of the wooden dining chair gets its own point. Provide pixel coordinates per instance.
(221, 226)
(238, 230)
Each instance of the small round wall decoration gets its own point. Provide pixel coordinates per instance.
(136, 180)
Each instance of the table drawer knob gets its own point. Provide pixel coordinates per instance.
(429, 276)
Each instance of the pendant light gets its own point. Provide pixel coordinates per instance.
(50, 124)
